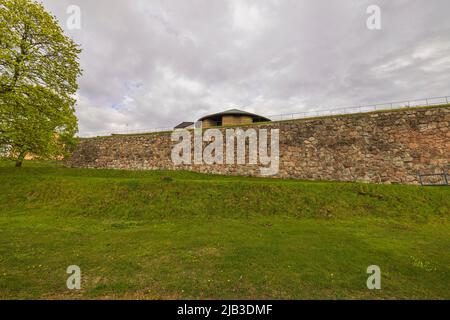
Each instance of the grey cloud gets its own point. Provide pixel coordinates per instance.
(153, 64)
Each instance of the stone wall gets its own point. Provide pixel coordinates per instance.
(382, 147)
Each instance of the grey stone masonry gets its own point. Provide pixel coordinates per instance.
(380, 147)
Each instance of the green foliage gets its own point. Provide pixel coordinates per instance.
(38, 81)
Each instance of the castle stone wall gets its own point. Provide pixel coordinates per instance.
(382, 147)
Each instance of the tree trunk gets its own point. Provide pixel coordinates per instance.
(20, 159)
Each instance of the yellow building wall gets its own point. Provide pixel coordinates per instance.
(207, 123)
(236, 120)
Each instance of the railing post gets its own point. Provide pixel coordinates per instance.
(446, 100)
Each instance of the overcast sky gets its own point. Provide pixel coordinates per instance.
(150, 64)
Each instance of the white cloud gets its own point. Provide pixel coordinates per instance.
(247, 15)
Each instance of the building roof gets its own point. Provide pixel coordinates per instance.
(235, 112)
(184, 125)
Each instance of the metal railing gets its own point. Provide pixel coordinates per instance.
(435, 179)
(315, 112)
(318, 112)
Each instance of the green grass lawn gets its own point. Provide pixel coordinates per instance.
(183, 235)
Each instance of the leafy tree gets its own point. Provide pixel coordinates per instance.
(39, 68)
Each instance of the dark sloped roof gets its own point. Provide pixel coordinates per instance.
(235, 112)
(184, 125)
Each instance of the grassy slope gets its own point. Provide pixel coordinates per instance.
(187, 235)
